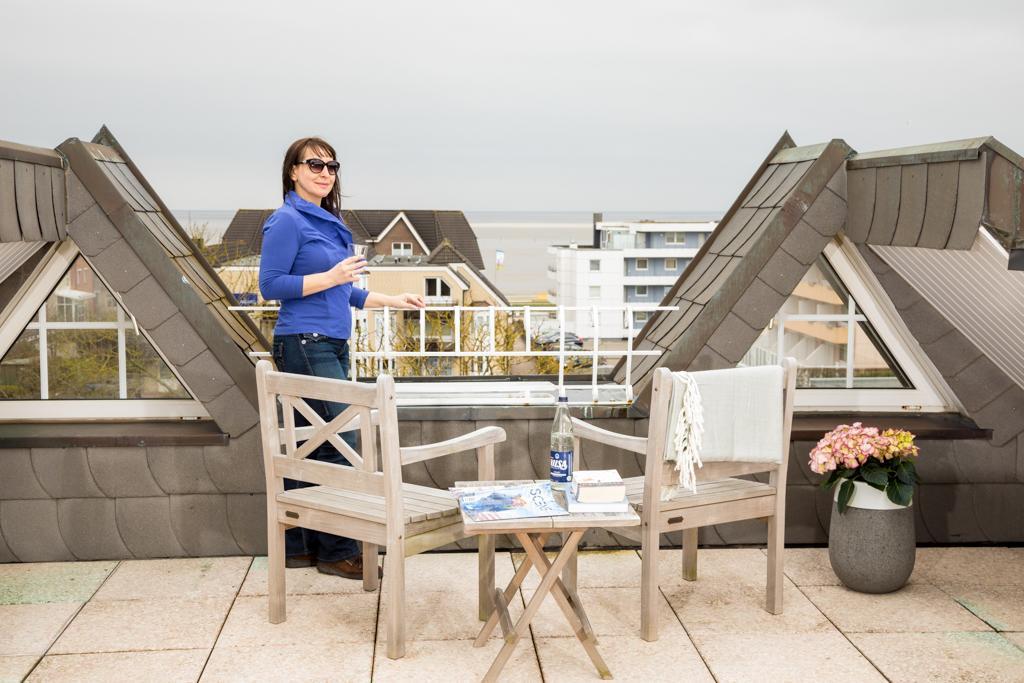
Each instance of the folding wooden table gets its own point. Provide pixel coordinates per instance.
(532, 533)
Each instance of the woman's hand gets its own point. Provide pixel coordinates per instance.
(348, 270)
(408, 300)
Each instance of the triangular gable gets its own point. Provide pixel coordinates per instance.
(136, 246)
(755, 257)
(401, 217)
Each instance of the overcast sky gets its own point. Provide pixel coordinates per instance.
(526, 105)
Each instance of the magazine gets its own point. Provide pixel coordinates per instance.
(511, 502)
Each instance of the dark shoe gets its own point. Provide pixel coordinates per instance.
(349, 569)
(297, 561)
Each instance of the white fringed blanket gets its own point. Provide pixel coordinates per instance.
(732, 415)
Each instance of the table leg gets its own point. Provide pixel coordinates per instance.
(547, 581)
(509, 593)
(568, 601)
(571, 569)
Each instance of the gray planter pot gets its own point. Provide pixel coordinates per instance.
(872, 546)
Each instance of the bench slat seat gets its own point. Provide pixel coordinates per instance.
(419, 503)
(708, 493)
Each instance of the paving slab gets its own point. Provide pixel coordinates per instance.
(30, 629)
(312, 619)
(443, 615)
(166, 665)
(971, 566)
(1001, 607)
(784, 657)
(671, 657)
(915, 608)
(304, 581)
(130, 625)
(929, 657)
(51, 581)
(809, 567)
(14, 668)
(720, 607)
(1015, 638)
(451, 572)
(611, 611)
(596, 569)
(341, 662)
(736, 566)
(184, 578)
(454, 660)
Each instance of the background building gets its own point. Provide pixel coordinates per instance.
(628, 263)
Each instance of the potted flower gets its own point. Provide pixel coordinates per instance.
(871, 542)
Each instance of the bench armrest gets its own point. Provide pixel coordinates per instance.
(485, 436)
(585, 430)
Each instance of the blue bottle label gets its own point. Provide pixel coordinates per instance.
(561, 466)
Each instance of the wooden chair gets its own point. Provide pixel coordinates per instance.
(720, 497)
(363, 502)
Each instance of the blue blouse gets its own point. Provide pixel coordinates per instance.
(301, 239)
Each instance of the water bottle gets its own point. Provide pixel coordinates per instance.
(561, 445)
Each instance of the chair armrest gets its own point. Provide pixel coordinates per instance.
(484, 436)
(585, 430)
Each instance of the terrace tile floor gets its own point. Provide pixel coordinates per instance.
(961, 618)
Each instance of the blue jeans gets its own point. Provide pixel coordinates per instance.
(320, 356)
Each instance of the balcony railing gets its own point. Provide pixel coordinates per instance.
(485, 319)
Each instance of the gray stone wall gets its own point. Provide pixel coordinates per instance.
(104, 503)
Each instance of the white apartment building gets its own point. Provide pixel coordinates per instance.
(628, 263)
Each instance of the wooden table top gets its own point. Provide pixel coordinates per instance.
(573, 520)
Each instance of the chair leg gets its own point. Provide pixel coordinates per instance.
(275, 572)
(690, 554)
(395, 568)
(485, 574)
(370, 579)
(649, 582)
(776, 547)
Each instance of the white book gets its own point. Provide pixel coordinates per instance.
(598, 486)
(573, 505)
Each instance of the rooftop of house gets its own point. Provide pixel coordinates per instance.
(244, 235)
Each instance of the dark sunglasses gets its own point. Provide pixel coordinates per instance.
(317, 166)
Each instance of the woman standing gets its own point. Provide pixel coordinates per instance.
(308, 264)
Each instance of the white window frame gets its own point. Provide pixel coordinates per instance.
(638, 291)
(593, 262)
(646, 263)
(439, 281)
(592, 294)
(930, 393)
(25, 313)
(674, 262)
(675, 238)
(641, 316)
(401, 248)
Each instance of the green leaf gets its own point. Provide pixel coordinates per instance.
(899, 492)
(875, 475)
(906, 472)
(830, 480)
(845, 493)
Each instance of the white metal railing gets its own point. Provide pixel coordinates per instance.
(535, 393)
